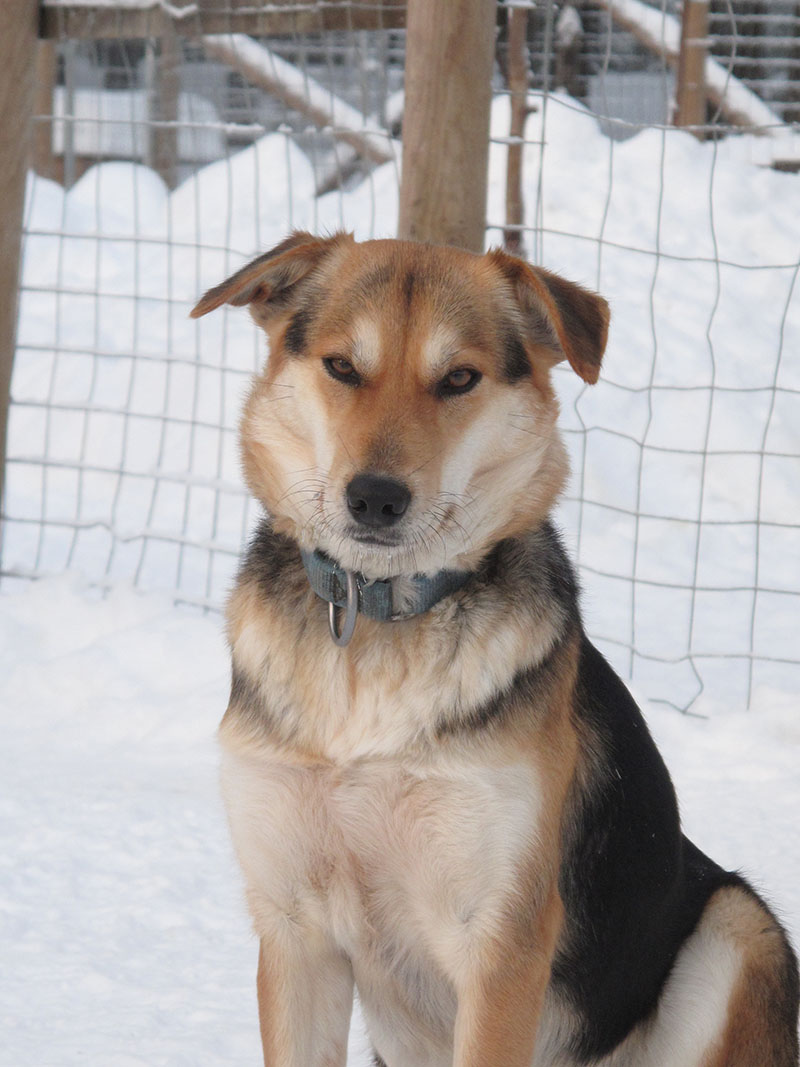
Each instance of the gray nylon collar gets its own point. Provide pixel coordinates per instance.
(420, 593)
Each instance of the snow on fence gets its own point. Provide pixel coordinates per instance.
(684, 504)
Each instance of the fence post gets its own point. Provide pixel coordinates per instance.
(162, 84)
(42, 159)
(167, 72)
(690, 89)
(449, 60)
(18, 25)
(518, 88)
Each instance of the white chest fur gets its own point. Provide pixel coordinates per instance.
(382, 858)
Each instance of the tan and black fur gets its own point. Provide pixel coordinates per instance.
(461, 814)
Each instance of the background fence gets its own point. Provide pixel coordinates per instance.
(172, 144)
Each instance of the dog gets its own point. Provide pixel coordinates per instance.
(440, 794)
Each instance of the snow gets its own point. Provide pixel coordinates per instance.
(121, 914)
(568, 26)
(114, 123)
(701, 374)
(684, 456)
(121, 910)
(175, 11)
(661, 33)
(298, 89)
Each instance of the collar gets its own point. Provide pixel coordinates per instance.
(376, 598)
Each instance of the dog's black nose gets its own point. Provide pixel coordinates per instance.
(376, 501)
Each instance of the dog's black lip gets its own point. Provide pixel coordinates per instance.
(374, 539)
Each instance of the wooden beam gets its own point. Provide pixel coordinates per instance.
(18, 21)
(449, 60)
(690, 87)
(86, 19)
(297, 90)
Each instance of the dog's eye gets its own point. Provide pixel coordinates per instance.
(342, 370)
(458, 381)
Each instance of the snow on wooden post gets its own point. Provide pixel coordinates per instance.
(449, 60)
(690, 90)
(18, 19)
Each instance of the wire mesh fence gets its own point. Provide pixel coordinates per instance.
(164, 160)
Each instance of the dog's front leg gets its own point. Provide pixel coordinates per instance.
(305, 999)
(500, 996)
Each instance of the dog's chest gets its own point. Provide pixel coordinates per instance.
(378, 856)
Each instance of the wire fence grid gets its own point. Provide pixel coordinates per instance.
(163, 165)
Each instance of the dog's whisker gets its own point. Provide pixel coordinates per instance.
(430, 459)
(532, 433)
(347, 450)
(314, 489)
(463, 500)
(448, 516)
(450, 512)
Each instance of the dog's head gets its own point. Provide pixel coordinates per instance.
(405, 420)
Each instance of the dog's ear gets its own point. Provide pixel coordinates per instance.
(266, 283)
(561, 320)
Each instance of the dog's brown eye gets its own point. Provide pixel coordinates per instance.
(460, 380)
(342, 370)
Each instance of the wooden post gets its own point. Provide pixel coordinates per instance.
(165, 106)
(518, 87)
(690, 90)
(18, 22)
(68, 124)
(449, 59)
(42, 159)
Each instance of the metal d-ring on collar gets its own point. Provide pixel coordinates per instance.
(350, 613)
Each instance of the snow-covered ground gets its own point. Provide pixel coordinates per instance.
(124, 934)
